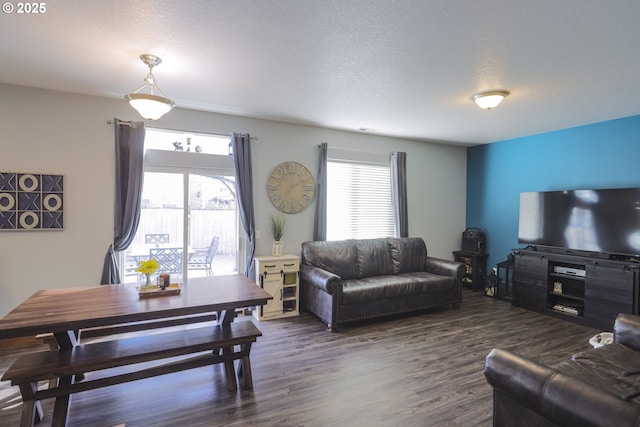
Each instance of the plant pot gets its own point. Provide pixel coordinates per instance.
(276, 250)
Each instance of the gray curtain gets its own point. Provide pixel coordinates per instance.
(241, 148)
(398, 164)
(129, 145)
(320, 221)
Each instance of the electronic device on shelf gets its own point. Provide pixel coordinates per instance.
(473, 241)
(569, 271)
(566, 309)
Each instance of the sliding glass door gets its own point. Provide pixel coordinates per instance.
(213, 225)
(188, 219)
(188, 223)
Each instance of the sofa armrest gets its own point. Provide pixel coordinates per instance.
(444, 267)
(321, 279)
(627, 330)
(559, 398)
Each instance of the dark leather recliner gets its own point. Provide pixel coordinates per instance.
(598, 387)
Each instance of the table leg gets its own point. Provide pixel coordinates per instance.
(61, 407)
(226, 317)
(66, 340)
(244, 370)
(230, 371)
(49, 339)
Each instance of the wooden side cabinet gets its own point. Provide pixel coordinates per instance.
(278, 275)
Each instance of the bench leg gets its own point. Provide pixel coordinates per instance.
(28, 416)
(31, 411)
(229, 370)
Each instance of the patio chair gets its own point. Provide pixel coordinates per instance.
(202, 260)
(155, 239)
(170, 259)
(130, 265)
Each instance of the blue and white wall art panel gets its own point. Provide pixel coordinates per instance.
(30, 201)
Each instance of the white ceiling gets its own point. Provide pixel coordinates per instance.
(404, 68)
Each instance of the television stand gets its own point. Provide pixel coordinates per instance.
(562, 251)
(587, 290)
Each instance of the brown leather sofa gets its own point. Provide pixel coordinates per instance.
(350, 280)
(597, 387)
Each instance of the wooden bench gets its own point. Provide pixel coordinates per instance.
(64, 366)
(103, 331)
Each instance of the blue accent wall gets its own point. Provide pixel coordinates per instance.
(600, 155)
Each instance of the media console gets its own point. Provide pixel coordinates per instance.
(581, 288)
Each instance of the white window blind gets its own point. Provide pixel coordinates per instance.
(358, 200)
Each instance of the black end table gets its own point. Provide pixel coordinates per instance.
(505, 285)
(476, 268)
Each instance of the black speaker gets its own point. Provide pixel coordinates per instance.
(474, 241)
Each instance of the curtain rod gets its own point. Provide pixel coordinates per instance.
(355, 151)
(110, 122)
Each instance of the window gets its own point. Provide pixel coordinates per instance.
(188, 214)
(358, 200)
(165, 140)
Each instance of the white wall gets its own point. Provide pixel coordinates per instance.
(60, 133)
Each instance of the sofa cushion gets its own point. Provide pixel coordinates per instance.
(407, 254)
(357, 291)
(338, 257)
(374, 258)
(401, 286)
(430, 282)
(393, 286)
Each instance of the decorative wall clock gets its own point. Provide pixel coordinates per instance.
(290, 187)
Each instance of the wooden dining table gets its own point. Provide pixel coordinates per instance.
(65, 312)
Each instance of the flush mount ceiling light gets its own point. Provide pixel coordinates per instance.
(489, 100)
(149, 105)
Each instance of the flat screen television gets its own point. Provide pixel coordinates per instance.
(605, 221)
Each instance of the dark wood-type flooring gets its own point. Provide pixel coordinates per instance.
(418, 370)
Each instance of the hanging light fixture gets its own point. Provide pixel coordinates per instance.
(149, 105)
(489, 100)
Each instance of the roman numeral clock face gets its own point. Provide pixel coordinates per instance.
(290, 187)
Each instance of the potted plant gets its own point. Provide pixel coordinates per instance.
(277, 224)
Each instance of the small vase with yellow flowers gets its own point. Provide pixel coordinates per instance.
(148, 268)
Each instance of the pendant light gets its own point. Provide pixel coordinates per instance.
(149, 105)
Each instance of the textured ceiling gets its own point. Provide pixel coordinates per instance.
(405, 68)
